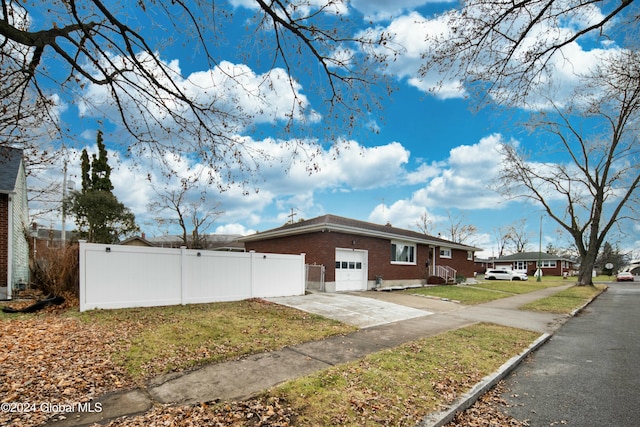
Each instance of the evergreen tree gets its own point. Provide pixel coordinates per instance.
(100, 217)
(100, 169)
(85, 166)
(611, 255)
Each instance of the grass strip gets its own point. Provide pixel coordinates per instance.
(518, 287)
(400, 386)
(564, 302)
(484, 291)
(464, 294)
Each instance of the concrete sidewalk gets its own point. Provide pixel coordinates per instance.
(240, 379)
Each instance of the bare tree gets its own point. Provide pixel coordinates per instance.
(76, 44)
(518, 237)
(457, 229)
(197, 214)
(600, 132)
(502, 237)
(424, 223)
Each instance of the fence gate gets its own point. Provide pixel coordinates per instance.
(314, 277)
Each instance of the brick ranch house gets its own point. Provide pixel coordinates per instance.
(356, 253)
(526, 262)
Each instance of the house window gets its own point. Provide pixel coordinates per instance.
(348, 265)
(469, 255)
(548, 264)
(445, 253)
(520, 265)
(403, 253)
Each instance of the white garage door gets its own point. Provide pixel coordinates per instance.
(351, 270)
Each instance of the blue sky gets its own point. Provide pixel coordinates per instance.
(420, 153)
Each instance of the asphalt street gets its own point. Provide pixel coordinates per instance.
(588, 373)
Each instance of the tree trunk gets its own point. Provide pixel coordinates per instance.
(587, 262)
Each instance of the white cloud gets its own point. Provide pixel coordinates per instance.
(424, 172)
(402, 214)
(233, 96)
(348, 166)
(384, 9)
(417, 36)
(409, 34)
(233, 228)
(462, 181)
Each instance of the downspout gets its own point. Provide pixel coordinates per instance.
(9, 246)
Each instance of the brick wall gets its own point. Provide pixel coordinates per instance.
(459, 260)
(4, 230)
(319, 248)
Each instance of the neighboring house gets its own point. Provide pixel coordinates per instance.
(483, 264)
(49, 238)
(14, 220)
(357, 254)
(526, 262)
(633, 267)
(137, 241)
(213, 242)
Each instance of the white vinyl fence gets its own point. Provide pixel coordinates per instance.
(114, 276)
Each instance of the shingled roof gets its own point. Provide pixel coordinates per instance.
(10, 159)
(532, 256)
(354, 226)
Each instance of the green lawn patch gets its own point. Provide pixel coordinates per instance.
(517, 286)
(566, 301)
(157, 340)
(400, 386)
(465, 294)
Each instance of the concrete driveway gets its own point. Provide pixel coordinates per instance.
(355, 310)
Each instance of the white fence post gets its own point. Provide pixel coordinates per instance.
(82, 272)
(304, 273)
(251, 271)
(183, 275)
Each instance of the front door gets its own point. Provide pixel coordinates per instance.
(351, 270)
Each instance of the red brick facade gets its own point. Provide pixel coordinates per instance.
(4, 236)
(320, 248)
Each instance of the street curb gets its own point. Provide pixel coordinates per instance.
(438, 419)
(441, 418)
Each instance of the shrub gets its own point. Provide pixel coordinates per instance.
(56, 270)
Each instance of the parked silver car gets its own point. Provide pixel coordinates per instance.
(499, 274)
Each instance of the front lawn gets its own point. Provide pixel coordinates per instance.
(401, 385)
(158, 340)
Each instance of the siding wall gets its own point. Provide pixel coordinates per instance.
(20, 225)
(4, 238)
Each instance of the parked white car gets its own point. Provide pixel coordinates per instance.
(495, 274)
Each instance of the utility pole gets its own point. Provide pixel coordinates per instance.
(539, 270)
(63, 237)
